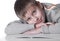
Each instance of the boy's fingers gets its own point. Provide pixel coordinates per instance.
(49, 23)
(41, 24)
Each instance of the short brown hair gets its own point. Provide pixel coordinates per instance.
(20, 5)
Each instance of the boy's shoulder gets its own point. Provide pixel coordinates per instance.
(52, 11)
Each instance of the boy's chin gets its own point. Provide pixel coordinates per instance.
(31, 23)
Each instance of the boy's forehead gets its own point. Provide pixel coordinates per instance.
(29, 10)
(30, 6)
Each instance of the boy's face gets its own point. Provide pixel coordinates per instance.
(34, 15)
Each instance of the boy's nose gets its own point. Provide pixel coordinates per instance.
(36, 19)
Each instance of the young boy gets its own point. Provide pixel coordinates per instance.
(35, 18)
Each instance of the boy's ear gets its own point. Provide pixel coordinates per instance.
(39, 4)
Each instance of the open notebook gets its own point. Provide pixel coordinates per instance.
(38, 36)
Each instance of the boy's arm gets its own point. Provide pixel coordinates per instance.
(33, 31)
(17, 28)
(54, 29)
(48, 29)
(38, 29)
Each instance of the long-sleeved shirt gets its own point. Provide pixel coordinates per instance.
(53, 15)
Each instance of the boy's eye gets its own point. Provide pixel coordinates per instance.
(34, 12)
(28, 19)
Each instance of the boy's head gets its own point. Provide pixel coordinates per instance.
(29, 10)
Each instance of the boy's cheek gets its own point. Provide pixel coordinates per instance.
(31, 22)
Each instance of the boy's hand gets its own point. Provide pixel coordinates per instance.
(37, 28)
(50, 7)
(43, 24)
(39, 25)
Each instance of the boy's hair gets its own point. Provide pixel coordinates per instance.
(20, 5)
